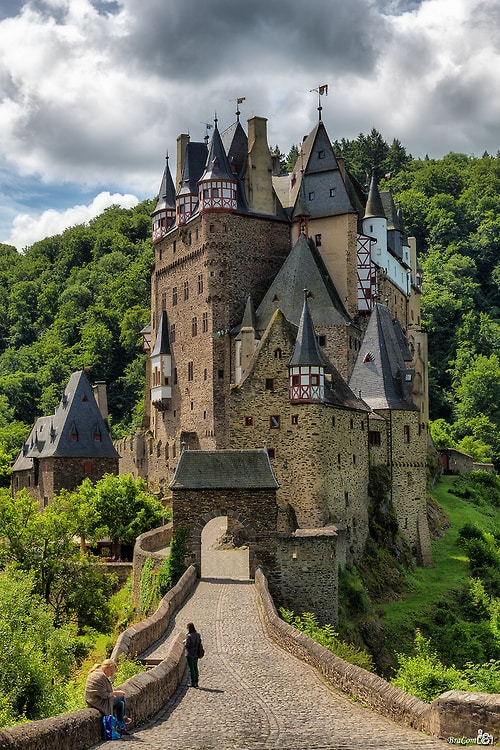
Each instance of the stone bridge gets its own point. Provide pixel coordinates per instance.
(254, 693)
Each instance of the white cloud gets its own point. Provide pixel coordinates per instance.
(105, 87)
(28, 229)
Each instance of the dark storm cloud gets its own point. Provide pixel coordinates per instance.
(222, 35)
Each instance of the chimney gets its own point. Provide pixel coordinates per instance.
(258, 181)
(101, 398)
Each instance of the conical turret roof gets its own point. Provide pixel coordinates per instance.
(162, 343)
(306, 351)
(374, 208)
(166, 194)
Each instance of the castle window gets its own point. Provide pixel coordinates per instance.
(338, 458)
(220, 374)
(295, 380)
(271, 452)
(373, 437)
(45, 501)
(274, 421)
(97, 435)
(192, 405)
(174, 296)
(406, 433)
(212, 228)
(269, 384)
(204, 322)
(248, 421)
(190, 371)
(354, 458)
(172, 333)
(194, 326)
(175, 376)
(200, 283)
(333, 421)
(205, 374)
(346, 499)
(224, 227)
(321, 154)
(174, 246)
(351, 424)
(333, 192)
(317, 240)
(87, 467)
(311, 195)
(190, 238)
(277, 354)
(362, 424)
(204, 415)
(314, 379)
(163, 300)
(185, 289)
(295, 418)
(73, 434)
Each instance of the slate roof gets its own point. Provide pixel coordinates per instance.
(306, 351)
(225, 469)
(162, 342)
(217, 164)
(402, 341)
(303, 269)
(77, 413)
(380, 373)
(235, 142)
(194, 166)
(374, 207)
(166, 194)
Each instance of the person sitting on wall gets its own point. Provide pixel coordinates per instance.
(100, 693)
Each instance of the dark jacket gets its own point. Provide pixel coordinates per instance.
(192, 644)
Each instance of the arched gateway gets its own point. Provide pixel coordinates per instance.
(239, 484)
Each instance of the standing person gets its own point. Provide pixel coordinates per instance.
(100, 693)
(192, 650)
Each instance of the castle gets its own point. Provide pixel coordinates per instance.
(286, 318)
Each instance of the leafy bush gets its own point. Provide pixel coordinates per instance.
(327, 637)
(423, 675)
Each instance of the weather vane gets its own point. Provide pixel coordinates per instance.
(238, 101)
(320, 90)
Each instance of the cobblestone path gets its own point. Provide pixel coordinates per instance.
(253, 694)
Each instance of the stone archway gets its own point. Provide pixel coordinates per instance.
(220, 557)
(236, 484)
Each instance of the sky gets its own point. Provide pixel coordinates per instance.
(93, 93)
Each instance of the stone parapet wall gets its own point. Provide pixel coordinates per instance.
(143, 634)
(150, 544)
(146, 693)
(454, 714)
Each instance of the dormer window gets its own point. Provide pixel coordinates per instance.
(73, 435)
(97, 435)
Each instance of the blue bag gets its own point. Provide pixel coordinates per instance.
(111, 729)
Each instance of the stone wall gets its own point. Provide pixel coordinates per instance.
(454, 714)
(308, 562)
(146, 693)
(150, 544)
(255, 509)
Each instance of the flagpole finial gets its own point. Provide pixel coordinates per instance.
(320, 91)
(239, 101)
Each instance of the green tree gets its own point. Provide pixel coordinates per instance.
(125, 507)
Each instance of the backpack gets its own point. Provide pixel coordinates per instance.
(111, 728)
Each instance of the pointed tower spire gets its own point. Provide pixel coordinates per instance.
(217, 185)
(163, 216)
(161, 366)
(374, 207)
(306, 367)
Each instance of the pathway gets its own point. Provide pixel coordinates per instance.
(254, 695)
